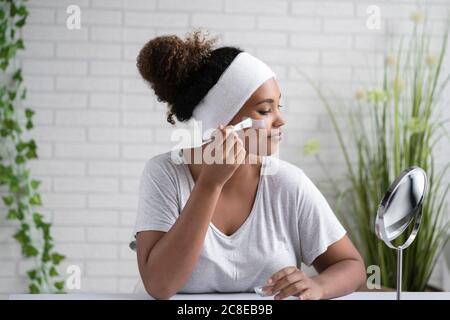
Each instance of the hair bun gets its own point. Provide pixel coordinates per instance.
(167, 62)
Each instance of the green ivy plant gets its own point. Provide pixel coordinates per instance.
(20, 192)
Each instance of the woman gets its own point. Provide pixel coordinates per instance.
(228, 225)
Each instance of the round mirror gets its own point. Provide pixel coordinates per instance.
(400, 212)
(401, 206)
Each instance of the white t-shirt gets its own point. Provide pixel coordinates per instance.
(290, 223)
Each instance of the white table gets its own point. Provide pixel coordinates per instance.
(233, 296)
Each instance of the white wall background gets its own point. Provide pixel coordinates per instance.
(97, 122)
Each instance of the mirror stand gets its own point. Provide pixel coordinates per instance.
(399, 271)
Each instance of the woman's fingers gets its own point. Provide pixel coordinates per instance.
(306, 295)
(295, 288)
(220, 134)
(233, 147)
(227, 145)
(272, 281)
(281, 274)
(218, 147)
(287, 280)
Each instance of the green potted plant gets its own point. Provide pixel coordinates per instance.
(393, 126)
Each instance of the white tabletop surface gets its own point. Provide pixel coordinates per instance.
(232, 296)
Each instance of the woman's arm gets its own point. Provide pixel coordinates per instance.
(341, 271)
(165, 267)
(166, 261)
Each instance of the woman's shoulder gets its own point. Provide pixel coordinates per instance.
(169, 159)
(161, 166)
(283, 172)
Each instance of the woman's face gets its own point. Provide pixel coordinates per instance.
(264, 104)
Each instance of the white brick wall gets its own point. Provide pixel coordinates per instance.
(97, 122)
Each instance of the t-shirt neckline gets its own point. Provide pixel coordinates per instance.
(252, 211)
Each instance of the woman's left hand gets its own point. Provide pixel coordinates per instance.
(291, 281)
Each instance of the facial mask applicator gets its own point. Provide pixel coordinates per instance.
(247, 123)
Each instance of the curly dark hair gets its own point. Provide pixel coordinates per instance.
(181, 72)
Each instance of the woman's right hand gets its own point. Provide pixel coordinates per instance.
(222, 157)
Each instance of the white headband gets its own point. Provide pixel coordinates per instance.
(243, 76)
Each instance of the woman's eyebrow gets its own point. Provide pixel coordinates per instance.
(269, 100)
(265, 100)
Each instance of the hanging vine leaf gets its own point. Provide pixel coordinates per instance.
(22, 196)
(35, 200)
(35, 184)
(30, 251)
(31, 274)
(17, 76)
(37, 218)
(34, 289)
(29, 113)
(54, 273)
(59, 285)
(20, 159)
(8, 200)
(12, 214)
(57, 258)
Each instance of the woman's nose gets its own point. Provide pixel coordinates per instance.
(279, 121)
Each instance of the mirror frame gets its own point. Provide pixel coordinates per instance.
(380, 226)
